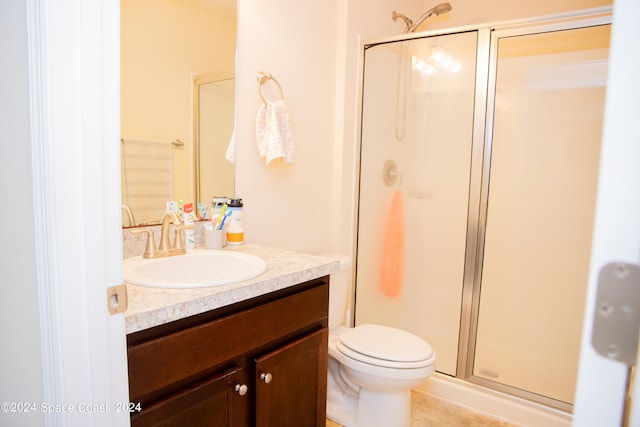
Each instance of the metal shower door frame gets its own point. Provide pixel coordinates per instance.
(479, 194)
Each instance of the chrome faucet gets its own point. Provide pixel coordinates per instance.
(165, 249)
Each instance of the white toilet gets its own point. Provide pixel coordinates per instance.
(372, 368)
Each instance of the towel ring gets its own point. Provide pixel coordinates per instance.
(262, 79)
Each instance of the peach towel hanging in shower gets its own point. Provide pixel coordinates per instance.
(392, 271)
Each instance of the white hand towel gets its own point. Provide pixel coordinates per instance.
(273, 132)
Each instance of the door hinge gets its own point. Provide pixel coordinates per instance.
(617, 312)
(117, 299)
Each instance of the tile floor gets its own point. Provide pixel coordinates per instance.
(427, 411)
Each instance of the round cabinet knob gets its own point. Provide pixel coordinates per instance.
(266, 377)
(241, 389)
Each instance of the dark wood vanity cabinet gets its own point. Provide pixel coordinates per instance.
(209, 402)
(295, 393)
(261, 362)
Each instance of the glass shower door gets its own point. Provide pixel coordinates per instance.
(547, 122)
(417, 112)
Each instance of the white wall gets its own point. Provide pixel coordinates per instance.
(20, 359)
(288, 205)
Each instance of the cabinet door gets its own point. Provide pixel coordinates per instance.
(291, 387)
(218, 401)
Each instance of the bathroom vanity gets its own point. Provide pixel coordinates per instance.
(250, 353)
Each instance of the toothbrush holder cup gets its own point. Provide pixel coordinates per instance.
(215, 239)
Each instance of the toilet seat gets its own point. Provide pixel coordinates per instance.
(385, 347)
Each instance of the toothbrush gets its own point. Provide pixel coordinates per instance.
(221, 216)
(223, 221)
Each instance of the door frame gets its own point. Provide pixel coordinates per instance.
(74, 66)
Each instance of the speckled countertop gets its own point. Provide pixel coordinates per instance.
(148, 307)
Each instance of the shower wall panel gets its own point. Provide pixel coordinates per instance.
(548, 112)
(418, 103)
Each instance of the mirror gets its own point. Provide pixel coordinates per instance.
(169, 48)
(214, 101)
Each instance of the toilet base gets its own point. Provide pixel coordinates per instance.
(361, 394)
(371, 409)
(378, 409)
(341, 406)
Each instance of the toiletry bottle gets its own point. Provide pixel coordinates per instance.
(235, 236)
(235, 230)
(202, 212)
(216, 205)
(235, 219)
(171, 206)
(189, 234)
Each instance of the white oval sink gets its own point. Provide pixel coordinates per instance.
(196, 269)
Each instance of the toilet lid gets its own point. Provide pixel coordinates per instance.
(386, 343)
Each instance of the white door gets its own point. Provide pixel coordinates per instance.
(74, 70)
(601, 382)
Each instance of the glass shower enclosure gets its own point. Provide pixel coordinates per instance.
(478, 169)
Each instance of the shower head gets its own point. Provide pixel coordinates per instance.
(436, 10)
(408, 22)
(441, 8)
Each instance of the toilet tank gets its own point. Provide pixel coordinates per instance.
(339, 287)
